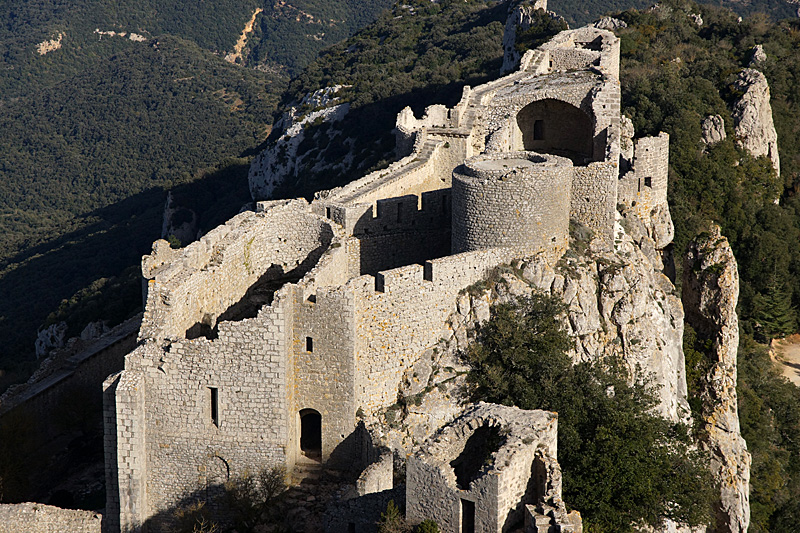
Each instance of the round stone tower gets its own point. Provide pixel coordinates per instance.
(519, 200)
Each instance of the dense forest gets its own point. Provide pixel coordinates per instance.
(674, 73)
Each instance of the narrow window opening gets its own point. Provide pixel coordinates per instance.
(648, 182)
(427, 271)
(351, 527)
(639, 186)
(328, 212)
(309, 344)
(214, 405)
(538, 130)
(467, 516)
(379, 283)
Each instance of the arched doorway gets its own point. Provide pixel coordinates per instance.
(311, 434)
(554, 127)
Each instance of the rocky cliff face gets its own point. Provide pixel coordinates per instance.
(619, 303)
(752, 117)
(710, 293)
(280, 161)
(520, 16)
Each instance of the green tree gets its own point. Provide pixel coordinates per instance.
(622, 465)
(774, 315)
(392, 520)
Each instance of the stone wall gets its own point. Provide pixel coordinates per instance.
(500, 486)
(196, 285)
(39, 518)
(644, 187)
(594, 195)
(583, 48)
(402, 312)
(518, 200)
(404, 230)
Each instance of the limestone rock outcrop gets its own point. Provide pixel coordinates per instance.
(178, 221)
(619, 303)
(520, 16)
(759, 55)
(610, 23)
(752, 117)
(280, 161)
(710, 293)
(713, 130)
(50, 338)
(40, 518)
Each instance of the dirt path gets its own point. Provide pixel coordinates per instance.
(787, 357)
(239, 46)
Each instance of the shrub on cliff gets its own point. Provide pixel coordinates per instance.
(622, 465)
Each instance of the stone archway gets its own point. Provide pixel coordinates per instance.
(311, 434)
(554, 127)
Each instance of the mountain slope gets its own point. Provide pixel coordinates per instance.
(104, 105)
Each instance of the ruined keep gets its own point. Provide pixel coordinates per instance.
(262, 341)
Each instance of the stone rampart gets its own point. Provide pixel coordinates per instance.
(404, 230)
(644, 187)
(195, 286)
(402, 312)
(594, 196)
(39, 518)
(584, 48)
(518, 200)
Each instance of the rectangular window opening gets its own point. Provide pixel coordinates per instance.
(214, 405)
(538, 130)
(309, 344)
(328, 212)
(351, 527)
(648, 182)
(427, 271)
(380, 285)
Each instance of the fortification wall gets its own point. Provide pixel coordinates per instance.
(428, 168)
(209, 409)
(402, 312)
(82, 373)
(594, 98)
(199, 283)
(594, 196)
(125, 435)
(39, 518)
(644, 187)
(324, 352)
(405, 230)
(584, 48)
(518, 200)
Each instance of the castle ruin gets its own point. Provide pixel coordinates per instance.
(262, 341)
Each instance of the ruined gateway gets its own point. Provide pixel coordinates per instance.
(265, 342)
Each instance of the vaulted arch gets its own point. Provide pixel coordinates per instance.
(554, 127)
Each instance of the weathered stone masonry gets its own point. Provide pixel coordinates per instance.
(261, 342)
